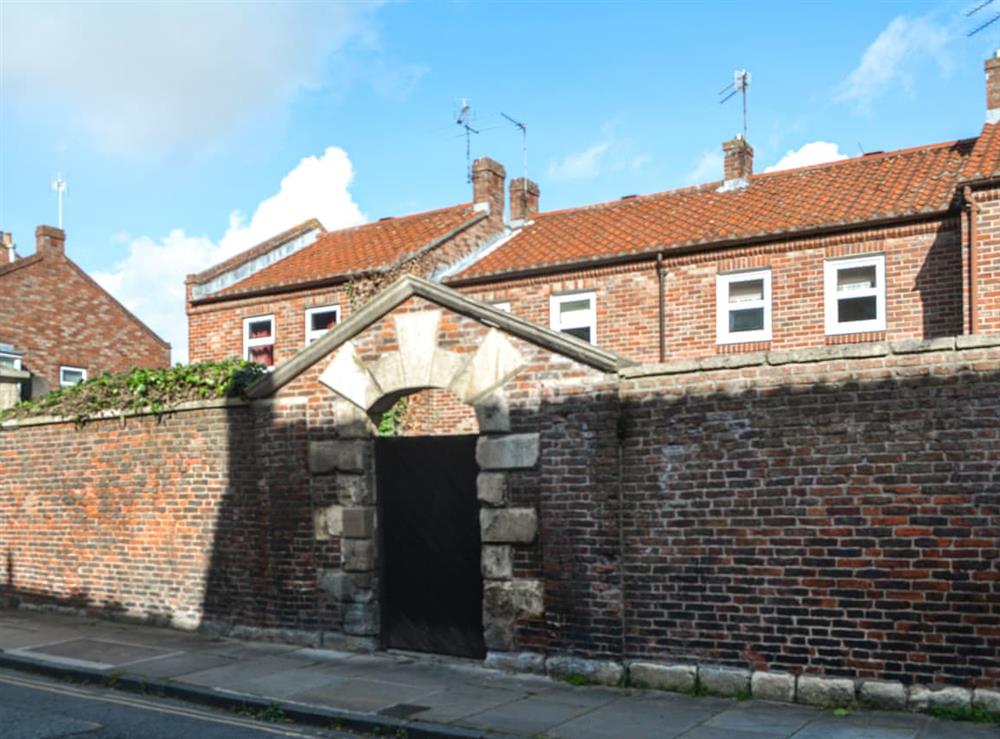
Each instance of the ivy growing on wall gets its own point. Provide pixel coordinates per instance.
(156, 390)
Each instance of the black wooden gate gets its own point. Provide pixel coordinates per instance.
(432, 586)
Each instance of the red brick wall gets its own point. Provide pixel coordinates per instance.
(58, 316)
(923, 299)
(121, 518)
(837, 517)
(988, 261)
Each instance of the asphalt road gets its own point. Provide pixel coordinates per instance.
(38, 708)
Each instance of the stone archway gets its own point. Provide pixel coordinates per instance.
(368, 389)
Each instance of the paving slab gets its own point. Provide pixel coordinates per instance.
(526, 717)
(291, 683)
(365, 695)
(99, 651)
(238, 673)
(633, 719)
(457, 702)
(180, 664)
(764, 716)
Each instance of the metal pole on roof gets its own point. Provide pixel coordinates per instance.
(59, 187)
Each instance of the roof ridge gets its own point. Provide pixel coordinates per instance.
(873, 157)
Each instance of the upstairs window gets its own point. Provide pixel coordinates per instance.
(258, 340)
(320, 320)
(743, 307)
(575, 314)
(10, 361)
(855, 295)
(70, 376)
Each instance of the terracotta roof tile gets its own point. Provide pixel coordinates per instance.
(359, 249)
(853, 191)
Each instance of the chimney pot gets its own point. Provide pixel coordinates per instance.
(50, 241)
(524, 195)
(488, 177)
(738, 162)
(993, 88)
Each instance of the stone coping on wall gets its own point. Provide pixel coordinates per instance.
(190, 405)
(953, 344)
(706, 678)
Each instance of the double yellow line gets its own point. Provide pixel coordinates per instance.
(146, 705)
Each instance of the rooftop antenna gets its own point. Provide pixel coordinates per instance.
(59, 188)
(463, 119)
(981, 26)
(740, 83)
(524, 153)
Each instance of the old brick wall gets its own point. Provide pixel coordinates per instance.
(126, 517)
(841, 516)
(923, 299)
(988, 261)
(56, 315)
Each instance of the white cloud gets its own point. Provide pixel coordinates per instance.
(584, 165)
(611, 154)
(815, 152)
(708, 169)
(145, 78)
(149, 280)
(904, 48)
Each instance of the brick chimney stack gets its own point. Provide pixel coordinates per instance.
(993, 89)
(7, 254)
(524, 196)
(488, 177)
(739, 161)
(50, 241)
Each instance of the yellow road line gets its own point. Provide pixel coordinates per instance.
(146, 705)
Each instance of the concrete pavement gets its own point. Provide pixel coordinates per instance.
(413, 696)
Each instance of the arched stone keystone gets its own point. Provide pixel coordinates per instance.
(417, 334)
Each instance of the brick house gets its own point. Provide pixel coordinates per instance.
(58, 326)
(887, 246)
(270, 301)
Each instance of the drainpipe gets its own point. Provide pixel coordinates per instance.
(663, 315)
(973, 260)
(620, 484)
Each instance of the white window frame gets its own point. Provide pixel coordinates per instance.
(555, 301)
(65, 367)
(249, 343)
(831, 297)
(311, 335)
(722, 307)
(503, 305)
(15, 357)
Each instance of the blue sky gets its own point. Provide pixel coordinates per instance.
(189, 131)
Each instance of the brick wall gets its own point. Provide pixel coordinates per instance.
(923, 299)
(56, 315)
(837, 517)
(121, 518)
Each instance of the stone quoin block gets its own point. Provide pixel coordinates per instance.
(328, 522)
(825, 692)
(504, 602)
(508, 525)
(493, 414)
(347, 455)
(725, 681)
(358, 523)
(662, 676)
(773, 686)
(509, 452)
(354, 490)
(358, 555)
(497, 562)
(491, 488)
(361, 619)
(337, 584)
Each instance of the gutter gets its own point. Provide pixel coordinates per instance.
(663, 316)
(344, 277)
(698, 248)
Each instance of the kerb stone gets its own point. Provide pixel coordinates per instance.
(826, 692)
(883, 695)
(662, 677)
(773, 686)
(725, 681)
